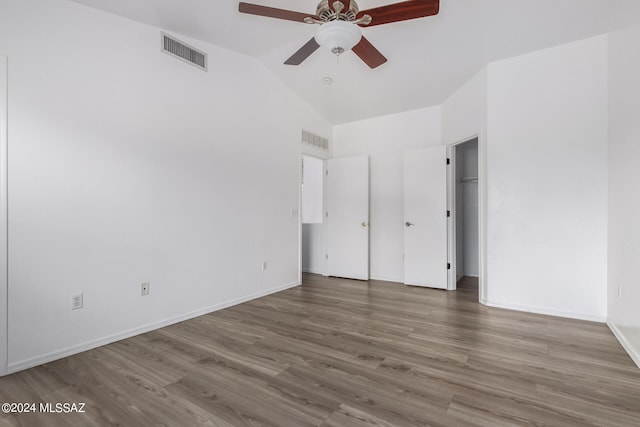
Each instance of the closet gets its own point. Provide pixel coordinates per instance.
(466, 211)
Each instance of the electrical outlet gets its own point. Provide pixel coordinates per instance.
(264, 265)
(144, 289)
(76, 301)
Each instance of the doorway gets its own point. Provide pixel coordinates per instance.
(334, 216)
(464, 224)
(312, 246)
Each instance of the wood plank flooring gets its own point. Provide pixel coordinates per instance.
(343, 353)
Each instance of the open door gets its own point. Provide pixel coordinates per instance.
(347, 217)
(425, 213)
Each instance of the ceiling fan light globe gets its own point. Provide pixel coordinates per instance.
(338, 36)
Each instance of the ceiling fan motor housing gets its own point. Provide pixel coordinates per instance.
(326, 13)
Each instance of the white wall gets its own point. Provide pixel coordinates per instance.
(626, 13)
(126, 166)
(624, 188)
(3, 213)
(384, 139)
(464, 112)
(547, 180)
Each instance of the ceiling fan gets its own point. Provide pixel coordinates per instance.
(340, 24)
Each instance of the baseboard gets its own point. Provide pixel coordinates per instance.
(426, 286)
(633, 352)
(79, 348)
(546, 311)
(387, 279)
(311, 270)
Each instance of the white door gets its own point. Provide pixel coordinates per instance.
(425, 216)
(347, 215)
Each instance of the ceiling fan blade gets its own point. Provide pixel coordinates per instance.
(272, 12)
(369, 54)
(402, 11)
(303, 53)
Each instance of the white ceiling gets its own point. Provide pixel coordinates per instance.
(429, 58)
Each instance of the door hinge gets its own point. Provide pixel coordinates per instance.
(448, 161)
(448, 266)
(326, 256)
(326, 172)
(448, 214)
(326, 214)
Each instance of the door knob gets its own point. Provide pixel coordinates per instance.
(364, 224)
(408, 224)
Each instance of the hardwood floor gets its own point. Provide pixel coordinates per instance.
(468, 283)
(342, 353)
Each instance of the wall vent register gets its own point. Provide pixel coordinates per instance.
(316, 141)
(184, 52)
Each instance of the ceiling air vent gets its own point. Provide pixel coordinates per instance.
(184, 52)
(316, 141)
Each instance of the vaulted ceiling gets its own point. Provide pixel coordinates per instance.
(428, 58)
